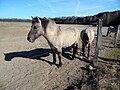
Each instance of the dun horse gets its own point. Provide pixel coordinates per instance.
(87, 36)
(57, 38)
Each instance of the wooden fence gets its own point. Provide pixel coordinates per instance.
(117, 37)
(98, 38)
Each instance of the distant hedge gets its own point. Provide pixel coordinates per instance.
(109, 18)
(15, 20)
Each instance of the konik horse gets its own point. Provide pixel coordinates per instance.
(87, 36)
(56, 37)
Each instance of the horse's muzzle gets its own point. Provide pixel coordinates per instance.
(30, 40)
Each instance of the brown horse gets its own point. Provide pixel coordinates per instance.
(57, 38)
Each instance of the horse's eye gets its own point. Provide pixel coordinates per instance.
(35, 27)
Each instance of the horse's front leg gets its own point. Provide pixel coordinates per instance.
(59, 56)
(54, 57)
(74, 50)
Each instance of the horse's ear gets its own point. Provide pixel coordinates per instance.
(32, 17)
(38, 19)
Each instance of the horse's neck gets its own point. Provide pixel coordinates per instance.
(51, 33)
(51, 30)
(50, 39)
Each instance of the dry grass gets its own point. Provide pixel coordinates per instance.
(24, 72)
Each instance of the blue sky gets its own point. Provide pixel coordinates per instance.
(55, 8)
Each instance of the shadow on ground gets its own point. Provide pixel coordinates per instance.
(37, 54)
(110, 60)
(40, 53)
(32, 54)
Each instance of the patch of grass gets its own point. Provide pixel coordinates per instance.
(118, 40)
(113, 54)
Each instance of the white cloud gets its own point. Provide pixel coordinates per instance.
(30, 4)
(49, 5)
(77, 8)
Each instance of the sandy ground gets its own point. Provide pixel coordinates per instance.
(26, 66)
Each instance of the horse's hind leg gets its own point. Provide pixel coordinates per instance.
(88, 51)
(107, 32)
(83, 49)
(74, 50)
(59, 57)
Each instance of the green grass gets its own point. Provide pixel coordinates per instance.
(118, 40)
(113, 54)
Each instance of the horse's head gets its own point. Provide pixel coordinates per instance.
(36, 30)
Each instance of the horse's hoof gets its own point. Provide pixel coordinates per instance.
(87, 58)
(72, 58)
(58, 66)
(83, 54)
(51, 64)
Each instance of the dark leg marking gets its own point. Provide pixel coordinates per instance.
(54, 57)
(88, 51)
(74, 50)
(59, 57)
(83, 49)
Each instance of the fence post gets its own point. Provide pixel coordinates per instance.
(98, 43)
(98, 38)
(116, 37)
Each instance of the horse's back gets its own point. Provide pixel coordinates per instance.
(69, 36)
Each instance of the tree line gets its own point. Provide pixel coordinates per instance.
(108, 18)
(15, 20)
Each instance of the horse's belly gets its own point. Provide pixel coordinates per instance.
(65, 39)
(69, 40)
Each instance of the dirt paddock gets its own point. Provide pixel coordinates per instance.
(26, 66)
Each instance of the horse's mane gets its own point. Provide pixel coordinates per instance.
(47, 23)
